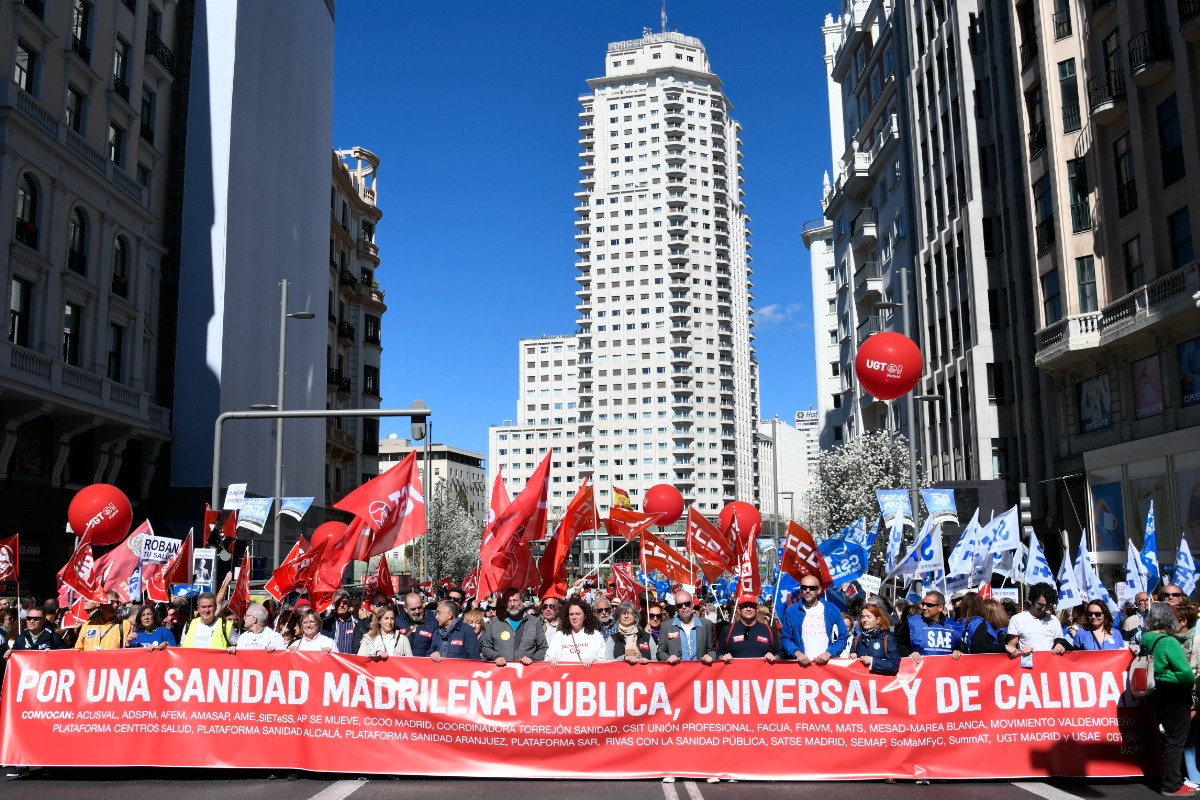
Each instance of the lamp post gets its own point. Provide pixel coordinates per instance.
(284, 315)
(791, 498)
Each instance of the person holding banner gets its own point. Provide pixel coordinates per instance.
(746, 637)
(36, 635)
(208, 631)
(985, 625)
(384, 638)
(104, 630)
(931, 633)
(257, 636)
(516, 637)
(149, 632)
(453, 637)
(1097, 631)
(579, 639)
(813, 627)
(312, 640)
(687, 637)
(1037, 629)
(876, 647)
(629, 640)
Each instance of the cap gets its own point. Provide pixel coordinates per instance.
(747, 599)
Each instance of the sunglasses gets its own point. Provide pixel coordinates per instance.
(35, 619)
(930, 605)
(806, 588)
(1172, 594)
(656, 616)
(603, 610)
(1095, 613)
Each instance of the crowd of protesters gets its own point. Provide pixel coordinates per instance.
(590, 627)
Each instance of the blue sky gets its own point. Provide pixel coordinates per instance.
(473, 109)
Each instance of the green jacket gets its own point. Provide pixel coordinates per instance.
(1170, 661)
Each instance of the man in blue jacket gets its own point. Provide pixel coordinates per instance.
(932, 633)
(813, 631)
(452, 638)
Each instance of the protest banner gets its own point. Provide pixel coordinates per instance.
(981, 717)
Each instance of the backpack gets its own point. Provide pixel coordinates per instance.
(1141, 673)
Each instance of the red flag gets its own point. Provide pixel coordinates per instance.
(746, 547)
(580, 516)
(76, 614)
(621, 498)
(709, 545)
(210, 524)
(471, 583)
(229, 526)
(624, 585)
(499, 549)
(116, 567)
(10, 559)
(179, 568)
(628, 523)
(383, 578)
(239, 601)
(801, 556)
(152, 580)
(658, 555)
(985, 591)
(80, 572)
(296, 571)
(338, 551)
(393, 507)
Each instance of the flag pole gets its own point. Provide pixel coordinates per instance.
(645, 586)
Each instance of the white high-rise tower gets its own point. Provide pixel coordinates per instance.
(668, 380)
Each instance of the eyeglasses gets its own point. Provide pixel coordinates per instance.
(603, 610)
(1095, 613)
(35, 619)
(656, 616)
(343, 602)
(1172, 594)
(930, 605)
(550, 607)
(804, 587)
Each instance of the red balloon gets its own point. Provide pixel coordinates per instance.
(325, 532)
(103, 510)
(748, 518)
(888, 365)
(664, 500)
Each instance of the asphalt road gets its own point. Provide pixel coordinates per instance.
(59, 783)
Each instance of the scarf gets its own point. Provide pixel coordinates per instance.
(630, 633)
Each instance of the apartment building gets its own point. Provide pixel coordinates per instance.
(1110, 95)
(668, 379)
(84, 118)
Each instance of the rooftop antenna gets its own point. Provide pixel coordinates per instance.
(664, 16)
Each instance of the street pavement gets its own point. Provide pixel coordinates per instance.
(228, 784)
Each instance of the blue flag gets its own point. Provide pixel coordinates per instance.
(846, 554)
(1149, 554)
(1037, 568)
(1185, 568)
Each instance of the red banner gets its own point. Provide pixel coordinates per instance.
(981, 717)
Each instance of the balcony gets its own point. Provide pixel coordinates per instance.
(1150, 56)
(346, 331)
(334, 377)
(872, 325)
(868, 281)
(856, 177)
(26, 233)
(80, 48)
(1062, 24)
(121, 88)
(36, 6)
(864, 229)
(1029, 52)
(1044, 233)
(1167, 300)
(1106, 96)
(1081, 217)
(159, 51)
(1037, 140)
(1189, 20)
(346, 279)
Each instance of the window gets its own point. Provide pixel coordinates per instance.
(1127, 199)
(1043, 203)
(20, 304)
(149, 103)
(1062, 19)
(1135, 271)
(120, 268)
(371, 329)
(1170, 141)
(116, 352)
(370, 443)
(1037, 122)
(121, 69)
(116, 143)
(27, 211)
(25, 68)
(1085, 276)
(77, 242)
(81, 22)
(72, 326)
(371, 380)
(1078, 189)
(1051, 298)
(1179, 232)
(74, 110)
(1068, 88)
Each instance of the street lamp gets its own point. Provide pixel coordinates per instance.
(791, 498)
(284, 315)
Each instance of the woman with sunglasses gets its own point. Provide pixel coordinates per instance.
(1096, 629)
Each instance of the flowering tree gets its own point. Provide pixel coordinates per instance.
(454, 535)
(844, 487)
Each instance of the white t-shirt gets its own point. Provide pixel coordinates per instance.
(576, 647)
(816, 638)
(317, 644)
(1036, 634)
(249, 640)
